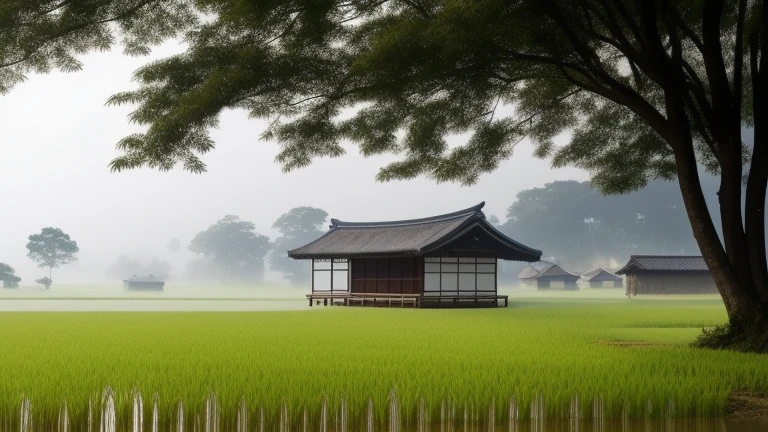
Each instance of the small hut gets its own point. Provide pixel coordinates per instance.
(143, 283)
(599, 278)
(547, 275)
(446, 260)
(667, 274)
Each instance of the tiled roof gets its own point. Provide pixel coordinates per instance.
(416, 237)
(598, 274)
(664, 263)
(543, 269)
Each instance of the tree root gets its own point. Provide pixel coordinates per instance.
(726, 337)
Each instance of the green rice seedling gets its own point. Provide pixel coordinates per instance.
(619, 359)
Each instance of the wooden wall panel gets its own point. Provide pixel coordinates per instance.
(387, 275)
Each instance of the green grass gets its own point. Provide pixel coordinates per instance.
(628, 352)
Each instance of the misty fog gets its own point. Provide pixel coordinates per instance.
(58, 137)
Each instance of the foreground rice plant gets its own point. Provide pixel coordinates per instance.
(350, 369)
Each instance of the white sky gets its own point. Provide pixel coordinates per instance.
(57, 138)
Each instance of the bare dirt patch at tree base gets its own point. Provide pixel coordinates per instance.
(746, 405)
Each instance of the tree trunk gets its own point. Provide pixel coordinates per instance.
(745, 311)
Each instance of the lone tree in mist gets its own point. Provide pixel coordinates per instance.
(51, 248)
(645, 90)
(236, 249)
(298, 227)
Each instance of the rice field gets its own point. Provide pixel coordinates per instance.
(543, 357)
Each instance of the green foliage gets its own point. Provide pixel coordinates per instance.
(7, 276)
(37, 36)
(624, 351)
(52, 248)
(45, 281)
(724, 337)
(298, 227)
(411, 74)
(5, 269)
(235, 248)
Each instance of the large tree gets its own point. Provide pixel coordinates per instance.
(645, 90)
(52, 248)
(298, 227)
(236, 249)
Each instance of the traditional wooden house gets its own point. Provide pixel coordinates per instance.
(143, 283)
(599, 278)
(547, 275)
(445, 260)
(667, 274)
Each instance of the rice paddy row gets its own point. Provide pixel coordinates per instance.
(630, 356)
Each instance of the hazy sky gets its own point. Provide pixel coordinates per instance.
(58, 137)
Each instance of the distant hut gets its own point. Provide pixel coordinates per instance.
(143, 283)
(544, 274)
(448, 260)
(667, 274)
(599, 278)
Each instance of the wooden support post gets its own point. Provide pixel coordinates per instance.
(313, 275)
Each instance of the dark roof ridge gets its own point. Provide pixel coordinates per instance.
(666, 256)
(474, 210)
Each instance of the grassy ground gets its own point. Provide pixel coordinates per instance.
(633, 354)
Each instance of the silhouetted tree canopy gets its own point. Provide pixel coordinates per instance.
(42, 35)
(298, 227)
(236, 249)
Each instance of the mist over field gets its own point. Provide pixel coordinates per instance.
(58, 138)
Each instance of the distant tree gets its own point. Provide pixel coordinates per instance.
(158, 267)
(202, 269)
(174, 245)
(51, 248)
(7, 276)
(125, 267)
(298, 227)
(45, 281)
(235, 247)
(579, 227)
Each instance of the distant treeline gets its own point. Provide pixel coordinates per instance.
(579, 228)
(232, 252)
